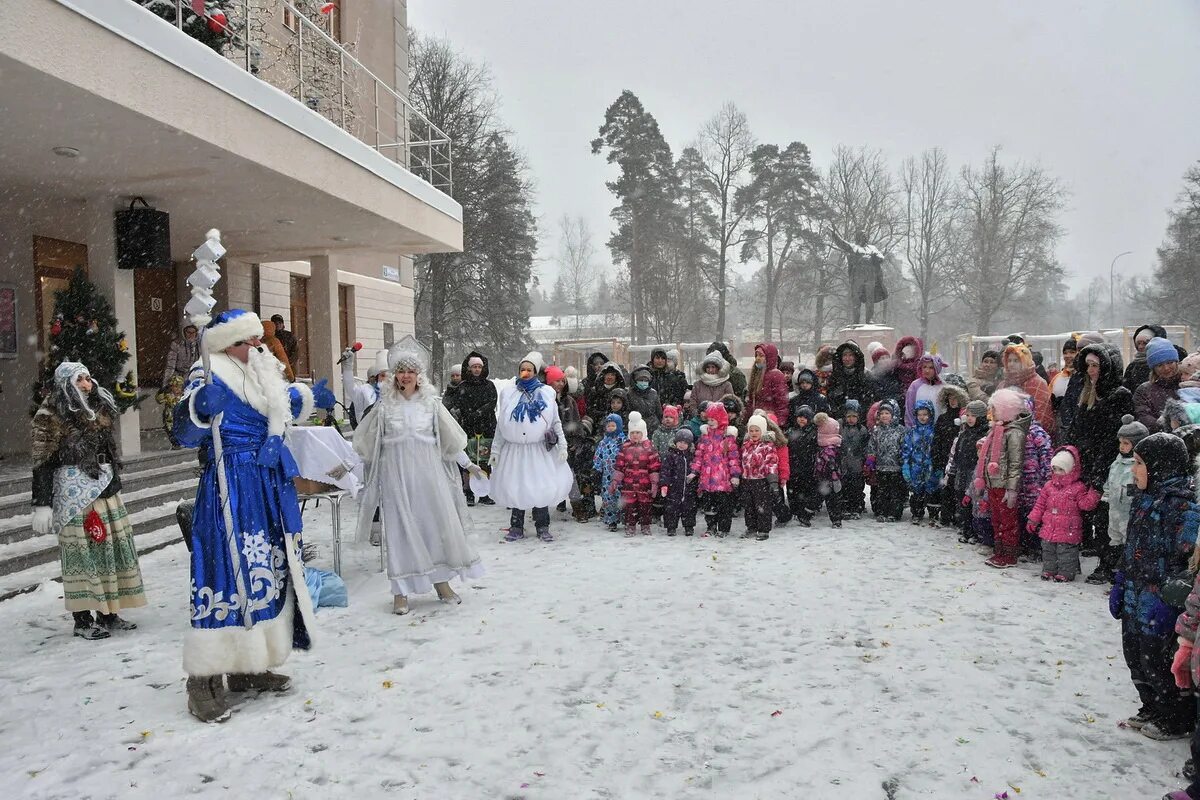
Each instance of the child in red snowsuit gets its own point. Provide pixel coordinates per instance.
(760, 477)
(636, 474)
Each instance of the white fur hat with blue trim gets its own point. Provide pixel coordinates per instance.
(230, 326)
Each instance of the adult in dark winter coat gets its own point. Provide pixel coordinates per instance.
(475, 403)
(807, 395)
(1151, 397)
(1138, 371)
(671, 384)
(594, 364)
(767, 388)
(1098, 411)
(1161, 536)
(907, 363)
(849, 380)
(580, 448)
(644, 400)
(736, 377)
(610, 377)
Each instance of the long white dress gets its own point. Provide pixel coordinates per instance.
(411, 447)
(527, 475)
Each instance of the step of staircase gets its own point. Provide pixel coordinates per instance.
(27, 579)
(15, 480)
(35, 550)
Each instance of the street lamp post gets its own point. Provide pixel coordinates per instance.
(1111, 281)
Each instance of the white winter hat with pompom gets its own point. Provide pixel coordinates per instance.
(636, 423)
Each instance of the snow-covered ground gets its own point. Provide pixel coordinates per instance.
(872, 662)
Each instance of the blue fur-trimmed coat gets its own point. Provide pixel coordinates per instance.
(249, 602)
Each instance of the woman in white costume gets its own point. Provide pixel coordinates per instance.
(529, 452)
(411, 446)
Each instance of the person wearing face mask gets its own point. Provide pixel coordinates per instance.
(645, 400)
(249, 602)
(413, 449)
(529, 452)
(76, 497)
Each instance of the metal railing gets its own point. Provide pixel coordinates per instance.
(279, 44)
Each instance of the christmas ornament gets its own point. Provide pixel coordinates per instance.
(94, 328)
(124, 345)
(56, 327)
(327, 8)
(93, 526)
(126, 389)
(217, 22)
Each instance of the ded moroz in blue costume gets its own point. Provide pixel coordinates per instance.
(249, 603)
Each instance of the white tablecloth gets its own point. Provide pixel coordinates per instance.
(324, 455)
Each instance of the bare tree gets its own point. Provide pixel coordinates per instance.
(725, 146)
(1009, 218)
(575, 263)
(1096, 291)
(930, 233)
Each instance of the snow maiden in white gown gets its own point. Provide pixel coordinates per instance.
(411, 447)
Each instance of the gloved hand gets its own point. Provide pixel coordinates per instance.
(476, 471)
(1162, 618)
(943, 481)
(736, 482)
(493, 459)
(966, 501)
(269, 453)
(653, 490)
(869, 464)
(1010, 498)
(1032, 526)
(43, 519)
(1116, 595)
(563, 455)
(663, 490)
(323, 396)
(691, 477)
(211, 400)
(1181, 667)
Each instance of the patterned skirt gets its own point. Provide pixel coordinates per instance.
(101, 576)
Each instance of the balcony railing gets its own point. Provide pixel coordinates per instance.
(281, 45)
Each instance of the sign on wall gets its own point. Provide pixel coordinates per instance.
(391, 274)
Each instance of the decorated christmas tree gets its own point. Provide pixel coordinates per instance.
(84, 329)
(206, 20)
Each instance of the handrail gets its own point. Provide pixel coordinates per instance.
(430, 156)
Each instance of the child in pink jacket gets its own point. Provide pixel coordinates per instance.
(717, 470)
(1059, 513)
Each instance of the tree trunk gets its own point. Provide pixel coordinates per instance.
(437, 311)
(983, 323)
(819, 309)
(772, 285)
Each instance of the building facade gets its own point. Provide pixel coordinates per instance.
(287, 129)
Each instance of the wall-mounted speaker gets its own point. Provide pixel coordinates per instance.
(143, 237)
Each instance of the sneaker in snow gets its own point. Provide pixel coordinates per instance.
(486, 501)
(689, 532)
(762, 537)
(1138, 720)
(514, 535)
(1062, 579)
(1046, 576)
(748, 535)
(544, 534)
(837, 524)
(1160, 733)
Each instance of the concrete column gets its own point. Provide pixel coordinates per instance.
(117, 287)
(324, 336)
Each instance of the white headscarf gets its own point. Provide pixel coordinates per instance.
(65, 375)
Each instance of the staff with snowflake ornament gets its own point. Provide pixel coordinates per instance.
(249, 603)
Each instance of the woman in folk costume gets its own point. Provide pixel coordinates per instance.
(413, 447)
(76, 485)
(529, 452)
(249, 602)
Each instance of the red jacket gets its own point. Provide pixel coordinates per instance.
(773, 396)
(1061, 503)
(759, 459)
(637, 470)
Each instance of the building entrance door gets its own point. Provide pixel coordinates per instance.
(156, 311)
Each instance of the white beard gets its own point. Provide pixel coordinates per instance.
(266, 373)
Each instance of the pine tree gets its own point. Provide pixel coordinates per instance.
(1172, 292)
(84, 329)
(212, 29)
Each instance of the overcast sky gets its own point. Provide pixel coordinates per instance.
(1104, 93)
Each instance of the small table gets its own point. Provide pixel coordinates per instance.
(335, 504)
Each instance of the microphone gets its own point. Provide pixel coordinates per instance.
(349, 351)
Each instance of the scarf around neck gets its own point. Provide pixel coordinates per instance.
(531, 405)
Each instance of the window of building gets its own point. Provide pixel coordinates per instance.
(389, 335)
(299, 307)
(289, 19)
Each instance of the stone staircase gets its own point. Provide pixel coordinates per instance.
(152, 485)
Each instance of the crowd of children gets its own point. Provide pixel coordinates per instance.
(1097, 459)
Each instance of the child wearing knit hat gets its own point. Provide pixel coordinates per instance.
(960, 469)
(1118, 494)
(1058, 512)
(676, 490)
(854, 456)
(636, 475)
(802, 455)
(760, 477)
(827, 467)
(717, 470)
(999, 471)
